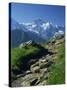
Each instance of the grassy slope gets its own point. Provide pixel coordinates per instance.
(17, 53)
(57, 74)
(18, 60)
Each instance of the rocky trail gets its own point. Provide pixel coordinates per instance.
(38, 71)
(37, 74)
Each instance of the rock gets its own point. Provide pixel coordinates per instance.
(16, 83)
(34, 65)
(58, 42)
(37, 82)
(20, 75)
(21, 45)
(45, 70)
(25, 44)
(43, 61)
(48, 57)
(28, 72)
(53, 41)
(45, 65)
(42, 65)
(35, 69)
(33, 61)
(28, 77)
(25, 83)
(45, 77)
(43, 57)
(33, 82)
(42, 83)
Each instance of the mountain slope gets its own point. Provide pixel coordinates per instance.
(38, 31)
(41, 65)
(45, 29)
(57, 74)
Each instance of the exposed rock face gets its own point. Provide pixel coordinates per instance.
(25, 43)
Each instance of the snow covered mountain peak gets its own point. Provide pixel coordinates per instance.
(38, 21)
(38, 30)
(46, 25)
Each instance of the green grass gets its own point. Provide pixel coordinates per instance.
(17, 53)
(19, 58)
(57, 74)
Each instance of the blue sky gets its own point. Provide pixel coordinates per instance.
(29, 12)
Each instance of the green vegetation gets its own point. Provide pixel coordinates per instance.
(20, 58)
(18, 53)
(57, 74)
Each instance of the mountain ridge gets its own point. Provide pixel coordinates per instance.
(38, 31)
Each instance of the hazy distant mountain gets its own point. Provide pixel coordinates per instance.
(45, 29)
(17, 35)
(15, 25)
(38, 31)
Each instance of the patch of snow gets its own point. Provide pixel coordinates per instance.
(35, 31)
(45, 25)
(27, 24)
(34, 25)
(61, 32)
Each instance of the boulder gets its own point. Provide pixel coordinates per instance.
(42, 83)
(25, 83)
(35, 69)
(33, 82)
(33, 61)
(34, 65)
(28, 72)
(45, 65)
(43, 61)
